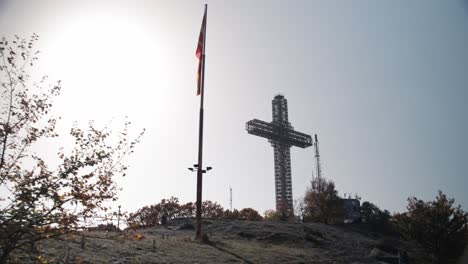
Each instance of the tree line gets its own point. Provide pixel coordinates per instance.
(169, 209)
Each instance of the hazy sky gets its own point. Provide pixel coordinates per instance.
(384, 84)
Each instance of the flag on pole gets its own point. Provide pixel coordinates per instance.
(200, 51)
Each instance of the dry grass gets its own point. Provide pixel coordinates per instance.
(229, 242)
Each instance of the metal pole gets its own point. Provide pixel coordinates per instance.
(319, 170)
(230, 198)
(313, 169)
(198, 232)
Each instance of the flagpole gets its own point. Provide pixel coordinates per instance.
(198, 234)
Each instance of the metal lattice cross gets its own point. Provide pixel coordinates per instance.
(282, 137)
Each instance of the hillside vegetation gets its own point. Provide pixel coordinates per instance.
(230, 241)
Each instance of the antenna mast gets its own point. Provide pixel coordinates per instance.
(230, 198)
(313, 169)
(317, 160)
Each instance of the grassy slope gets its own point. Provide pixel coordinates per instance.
(230, 241)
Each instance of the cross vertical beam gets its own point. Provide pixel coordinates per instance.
(283, 183)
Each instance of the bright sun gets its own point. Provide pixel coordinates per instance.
(103, 60)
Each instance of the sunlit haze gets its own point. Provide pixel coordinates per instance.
(384, 84)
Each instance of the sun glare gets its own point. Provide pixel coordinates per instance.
(103, 60)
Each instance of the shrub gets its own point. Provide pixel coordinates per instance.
(378, 220)
(250, 214)
(187, 210)
(40, 201)
(439, 226)
(212, 210)
(271, 215)
(144, 217)
(169, 209)
(157, 214)
(234, 214)
(321, 201)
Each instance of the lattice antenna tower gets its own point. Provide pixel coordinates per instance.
(313, 167)
(317, 160)
(230, 198)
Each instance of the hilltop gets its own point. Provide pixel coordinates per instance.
(231, 241)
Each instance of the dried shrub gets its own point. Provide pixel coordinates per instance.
(38, 201)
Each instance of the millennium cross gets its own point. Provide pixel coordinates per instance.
(282, 137)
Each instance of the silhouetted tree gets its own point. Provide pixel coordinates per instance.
(271, 215)
(211, 210)
(159, 213)
(321, 200)
(250, 215)
(187, 210)
(439, 226)
(145, 217)
(234, 214)
(378, 220)
(38, 201)
(170, 208)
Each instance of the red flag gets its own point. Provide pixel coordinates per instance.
(200, 51)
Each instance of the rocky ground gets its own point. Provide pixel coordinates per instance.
(230, 242)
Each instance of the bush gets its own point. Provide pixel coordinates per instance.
(250, 215)
(212, 210)
(146, 216)
(439, 226)
(272, 215)
(234, 214)
(378, 220)
(40, 201)
(169, 209)
(321, 201)
(159, 213)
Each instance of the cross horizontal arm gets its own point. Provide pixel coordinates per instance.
(274, 132)
(262, 129)
(299, 139)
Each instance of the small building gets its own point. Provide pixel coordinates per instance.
(351, 208)
(346, 211)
